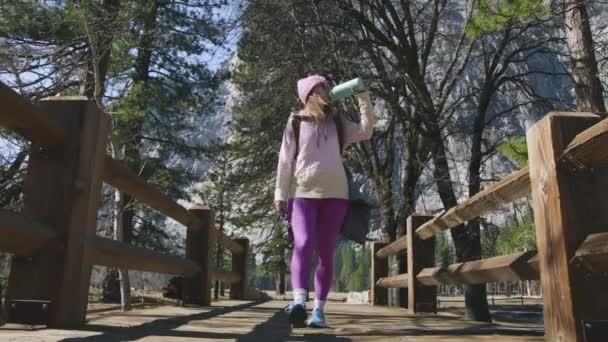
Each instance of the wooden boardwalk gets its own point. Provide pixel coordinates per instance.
(266, 321)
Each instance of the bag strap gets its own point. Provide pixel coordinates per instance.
(297, 119)
(340, 130)
(295, 124)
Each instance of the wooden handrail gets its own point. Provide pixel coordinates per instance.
(21, 116)
(394, 248)
(228, 243)
(226, 276)
(398, 281)
(128, 181)
(589, 147)
(507, 190)
(502, 268)
(114, 253)
(22, 236)
(593, 253)
(534, 262)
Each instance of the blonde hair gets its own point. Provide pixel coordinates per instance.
(318, 108)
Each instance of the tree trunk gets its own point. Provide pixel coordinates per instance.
(100, 33)
(466, 240)
(280, 282)
(110, 287)
(587, 85)
(218, 289)
(218, 264)
(470, 239)
(123, 274)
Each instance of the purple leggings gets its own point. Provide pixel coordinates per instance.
(315, 222)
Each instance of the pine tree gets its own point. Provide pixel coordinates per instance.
(131, 58)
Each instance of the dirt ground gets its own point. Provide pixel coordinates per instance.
(266, 321)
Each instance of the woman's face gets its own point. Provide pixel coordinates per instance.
(323, 91)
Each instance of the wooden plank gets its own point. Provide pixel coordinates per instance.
(225, 276)
(420, 254)
(507, 190)
(197, 288)
(238, 288)
(569, 204)
(398, 281)
(229, 243)
(379, 269)
(215, 237)
(128, 181)
(502, 268)
(112, 253)
(589, 147)
(62, 190)
(21, 116)
(427, 276)
(592, 254)
(534, 263)
(394, 248)
(22, 236)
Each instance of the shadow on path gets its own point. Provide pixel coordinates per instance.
(471, 331)
(161, 327)
(277, 328)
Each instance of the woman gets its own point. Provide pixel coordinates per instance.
(310, 172)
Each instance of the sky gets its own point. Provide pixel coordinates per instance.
(230, 14)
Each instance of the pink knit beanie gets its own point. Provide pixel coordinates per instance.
(306, 85)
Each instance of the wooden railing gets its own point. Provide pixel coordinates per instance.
(568, 178)
(53, 238)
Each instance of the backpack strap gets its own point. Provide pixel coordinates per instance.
(296, 119)
(340, 130)
(295, 124)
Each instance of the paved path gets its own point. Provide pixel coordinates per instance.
(261, 322)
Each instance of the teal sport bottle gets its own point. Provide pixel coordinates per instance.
(347, 89)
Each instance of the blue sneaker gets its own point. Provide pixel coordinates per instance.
(318, 319)
(297, 315)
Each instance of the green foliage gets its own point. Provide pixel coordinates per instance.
(38, 20)
(444, 249)
(351, 267)
(492, 15)
(521, 236)
(517, 238)
(359, 280)
(516, 150)
(346, 265)
(274, 253)
(489, 238)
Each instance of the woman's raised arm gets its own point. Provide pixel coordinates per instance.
(356, 132)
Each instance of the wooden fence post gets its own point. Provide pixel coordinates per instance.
(238, 290)
(420, 254)
(197, 289)
(62, 190)
(569, 204)
(379, 269)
